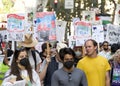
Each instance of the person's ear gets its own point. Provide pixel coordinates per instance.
(17, 61)
(96, 47)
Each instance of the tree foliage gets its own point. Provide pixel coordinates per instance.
(7, 5)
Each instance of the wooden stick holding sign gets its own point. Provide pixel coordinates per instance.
(48, 52)
(48, 49)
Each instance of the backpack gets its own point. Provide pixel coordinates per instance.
(34, 56)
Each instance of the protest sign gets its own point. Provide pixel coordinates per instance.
(60, 30)
(117, 15)
(82, 32)
(41, 4)
(45, 26)
(72, 41)
(69, 4)
(98, 33)
(3, 35)
(112, 33)
(88, 15)
(15, 27)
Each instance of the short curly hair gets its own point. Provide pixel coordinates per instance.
(65, 51)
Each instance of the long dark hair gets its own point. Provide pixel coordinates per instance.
(15, 70)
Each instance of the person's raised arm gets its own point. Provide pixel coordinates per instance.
(45, 63)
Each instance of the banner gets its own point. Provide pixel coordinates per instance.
(15, 27)
(45, 26)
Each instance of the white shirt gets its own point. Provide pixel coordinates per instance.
(105, 54)
(31, 60)
(36, 79)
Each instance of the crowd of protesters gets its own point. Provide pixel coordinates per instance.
(60, 65)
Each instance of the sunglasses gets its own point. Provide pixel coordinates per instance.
(69, 77)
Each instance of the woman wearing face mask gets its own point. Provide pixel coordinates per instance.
(21, 71)
(78, 53)
(72, 75)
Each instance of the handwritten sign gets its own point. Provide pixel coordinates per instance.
(45, 25)
(82, 31)
(113, 34)
(98, 33)
(88, 15)
(15, 27)
(60, 30)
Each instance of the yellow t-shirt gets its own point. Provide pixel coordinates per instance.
(95, 69)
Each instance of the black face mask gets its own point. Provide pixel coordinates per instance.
(68, 64)
(24, 62)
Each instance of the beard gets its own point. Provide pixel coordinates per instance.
(105, 49)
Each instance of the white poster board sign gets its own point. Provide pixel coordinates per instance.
(88, 15)
(72, 41)
(112, 34)
(82, 32)
(117, 15)
(60, 30)
(46, 26)
(98, 33)
(15, 27)
(69, 4)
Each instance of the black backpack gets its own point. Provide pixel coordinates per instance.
(34, 57)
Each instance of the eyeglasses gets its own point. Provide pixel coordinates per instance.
(69, 77)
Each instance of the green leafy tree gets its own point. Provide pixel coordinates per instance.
(7, 5)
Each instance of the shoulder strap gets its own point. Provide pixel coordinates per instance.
(40, 55)
(34, 57)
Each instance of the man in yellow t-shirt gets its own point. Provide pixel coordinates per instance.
(95, 67)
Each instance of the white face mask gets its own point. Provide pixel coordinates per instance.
(78, 53)
(0, 52)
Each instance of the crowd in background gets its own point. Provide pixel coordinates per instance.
(58, 65)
